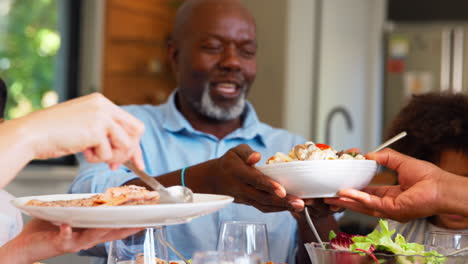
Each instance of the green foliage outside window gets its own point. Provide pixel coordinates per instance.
(29, 42)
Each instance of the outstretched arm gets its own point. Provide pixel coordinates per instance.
(92, 124)
(424, 190)
(234, 174)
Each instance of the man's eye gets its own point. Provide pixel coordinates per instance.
(248, 52)
(212, 47)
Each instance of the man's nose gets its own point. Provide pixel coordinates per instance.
(230, 60)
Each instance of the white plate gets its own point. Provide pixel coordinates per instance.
(133, 262)
(122, 216)
(320, 178)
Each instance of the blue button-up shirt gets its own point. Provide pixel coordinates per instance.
(171, 143)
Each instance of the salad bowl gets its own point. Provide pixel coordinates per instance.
(330, 256)
(380, 246)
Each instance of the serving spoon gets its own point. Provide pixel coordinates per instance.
(390, 141)
(312, 226)
(173, 194)
(186, 261)
(457, 251)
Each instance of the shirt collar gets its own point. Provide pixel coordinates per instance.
(175, 122)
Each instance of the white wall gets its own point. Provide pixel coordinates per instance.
(327, 54)
(268, 91)
(350, 69)
(300, 67)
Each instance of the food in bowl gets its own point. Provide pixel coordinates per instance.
(378, 247)
(317, 170)
(116, 196)
(311, 151)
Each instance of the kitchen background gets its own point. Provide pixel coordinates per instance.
(334, 71)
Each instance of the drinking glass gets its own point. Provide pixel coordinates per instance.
(145, 247)
(224, 257)
(245, 237)
(447, 239)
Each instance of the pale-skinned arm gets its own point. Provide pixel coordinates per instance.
(90, 124)
(41, 240)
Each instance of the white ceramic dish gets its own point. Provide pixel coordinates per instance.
(320, 178)
(122, 216)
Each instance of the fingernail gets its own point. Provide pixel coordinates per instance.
(280, 192)
(299, 204)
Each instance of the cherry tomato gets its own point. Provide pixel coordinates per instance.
(322, 146)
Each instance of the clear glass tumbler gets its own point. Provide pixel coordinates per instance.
(145, 247)
(245, 237)
(447, 239)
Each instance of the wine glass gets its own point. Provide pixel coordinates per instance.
(145, 247)
(224, 257)
(245, 237)
(447, 239)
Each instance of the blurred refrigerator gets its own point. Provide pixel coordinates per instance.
(422, 58)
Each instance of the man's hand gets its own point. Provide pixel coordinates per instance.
(235, 175)
(317, 208)
(414, 197)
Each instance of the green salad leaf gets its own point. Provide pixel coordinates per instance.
(382, 240)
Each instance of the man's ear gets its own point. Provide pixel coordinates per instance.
(173, 54)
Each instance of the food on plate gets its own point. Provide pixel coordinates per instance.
(123, 195)
(140, 259)
(311, 151)
(382, 242)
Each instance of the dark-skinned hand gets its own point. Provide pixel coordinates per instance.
(235, 175)
(414, 197)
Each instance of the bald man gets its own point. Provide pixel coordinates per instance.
(208, 137)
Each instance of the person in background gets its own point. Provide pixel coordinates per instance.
(208, 137)
(424, 190)
(99, 128)
(437, 127)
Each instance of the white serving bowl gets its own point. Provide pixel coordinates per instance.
(320, 178)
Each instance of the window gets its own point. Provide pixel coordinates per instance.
(38, 53)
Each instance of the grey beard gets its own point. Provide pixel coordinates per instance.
(209, 109)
